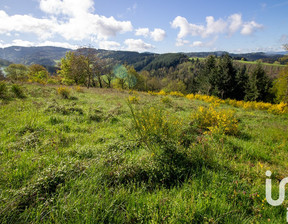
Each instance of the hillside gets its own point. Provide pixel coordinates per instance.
(95, 158)
(33, 55)
(48, 56)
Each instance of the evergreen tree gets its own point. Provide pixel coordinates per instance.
(259, 85)
(241, 83)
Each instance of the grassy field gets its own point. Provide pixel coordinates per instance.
(255, 62)
(111, 156)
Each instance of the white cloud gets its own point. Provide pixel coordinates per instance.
(23, 43)
(142, 32)
(181, 42)
(156, 35)
(102, 27)
(70, 8)
(197, 44)
(214, 27)
(250, 27)
(67, 18)
(26, 24)
(109, 45)
(235, 23)
(137, 45)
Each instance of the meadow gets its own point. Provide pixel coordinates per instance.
(77, 155)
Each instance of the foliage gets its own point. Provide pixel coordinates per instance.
(281, 86)
(3, 90)
(38, 73)
(18, 91)
(216, 121)
(259, 85)
(17, 72)
(64, 92)
(151, 122)
(133, 99)
(73, 69)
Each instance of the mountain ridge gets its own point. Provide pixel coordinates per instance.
(49, 55)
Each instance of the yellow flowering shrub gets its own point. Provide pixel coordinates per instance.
(280, 108)
(216, 121)
(208, 99)
(64, 92)
(153, 121)
(162, 93)
(133, 99)
(176, 93)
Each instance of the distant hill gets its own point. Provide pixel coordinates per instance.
(48, 56)
(269, 57)
(33, 55)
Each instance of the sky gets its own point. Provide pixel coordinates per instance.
(147, 26)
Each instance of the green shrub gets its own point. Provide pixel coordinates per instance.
(17, 91)
(166, 100)
(3, 90)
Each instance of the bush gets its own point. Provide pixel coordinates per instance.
(17, 91)
(153, 123)
(176, 93)
(3, 90)
(166, 100)
(133, 99)
(64, 92)
(222, 121)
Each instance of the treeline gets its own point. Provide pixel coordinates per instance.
(215, 75)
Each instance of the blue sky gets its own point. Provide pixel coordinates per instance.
(154, 26)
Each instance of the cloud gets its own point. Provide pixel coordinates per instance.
(250, 27)
(93, 25)
(197, 44)
(156, 35)
(109, 45)
(142, 32)
(214, 27)
(66, 18)
(137, 45)
(23, 43)
(70, 8)
(235, 23)
(26, 24)
(180, 42)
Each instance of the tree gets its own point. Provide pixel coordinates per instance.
(38, 73)
(241, 83)
(225, 79)
(281, 86)
(17, 72)
(259, 85)
(73, 69)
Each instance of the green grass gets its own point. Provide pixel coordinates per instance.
(83, 160)
(263, 63)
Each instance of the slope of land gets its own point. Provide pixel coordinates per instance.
(95, 158)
